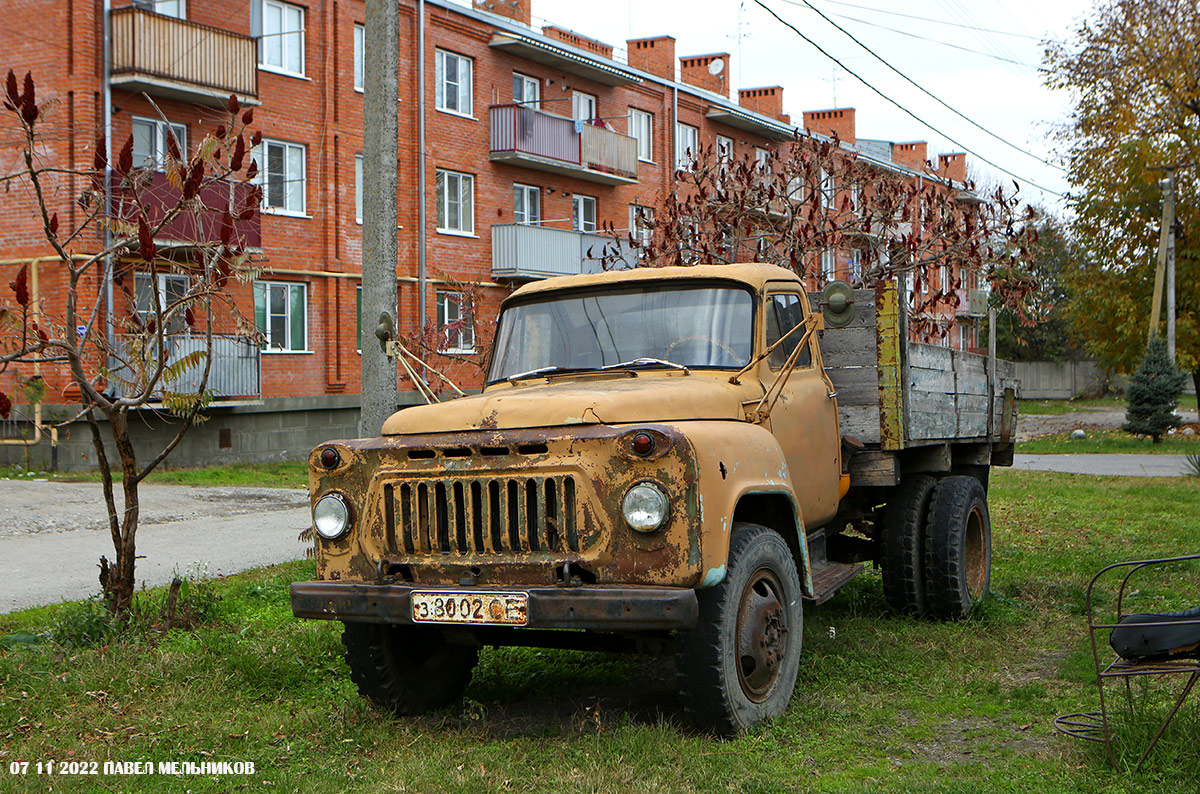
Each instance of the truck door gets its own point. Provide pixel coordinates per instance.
(804, 420)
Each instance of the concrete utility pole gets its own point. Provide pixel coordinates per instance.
(380, 183)
(1166, 264)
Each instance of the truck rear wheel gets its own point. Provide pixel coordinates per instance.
(738, 667)
(406, 669)
(903, 544)
(958, 548)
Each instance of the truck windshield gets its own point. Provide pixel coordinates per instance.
(693, 325)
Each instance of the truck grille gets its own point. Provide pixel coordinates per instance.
(482, 515)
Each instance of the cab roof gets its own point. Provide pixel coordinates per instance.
(753, 274)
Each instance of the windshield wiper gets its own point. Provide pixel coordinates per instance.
(533, 373)
(646, 361)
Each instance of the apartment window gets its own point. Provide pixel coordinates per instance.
(641, 127)
(455, 320)
(724, 148)
(455, 202)
(583, 106)
(829, 264)
(279, 28)
(855, 267)
(527, 204)
(167, 8)
(281, 173)
(945, 279)
(762, 158)
(686, 146)
(171, 289)
(360, 46)
(641, 220)
(453, 83)
(150, 141)
(584, 210)
(828, 188)
(526, 90)
(358, 187)
(281, 313)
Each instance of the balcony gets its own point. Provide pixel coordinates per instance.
(535, 139)
(235, 372)
(972, 302)
(175, 58)
(531, 252)
(203, 225)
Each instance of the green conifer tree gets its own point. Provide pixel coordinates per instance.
(1153, 393)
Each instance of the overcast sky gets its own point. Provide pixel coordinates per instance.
(992, 78)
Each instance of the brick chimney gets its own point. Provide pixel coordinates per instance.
(694, 70)
(911, 155)
(513, 9)
(829, 122)
(767, 101)
(953, 166)
(576, 40)
(656, 55)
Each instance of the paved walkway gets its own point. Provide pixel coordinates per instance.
(52, 535)
(1118, 465)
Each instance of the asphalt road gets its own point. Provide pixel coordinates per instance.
(52, 535)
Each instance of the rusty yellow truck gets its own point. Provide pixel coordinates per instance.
(664, 460)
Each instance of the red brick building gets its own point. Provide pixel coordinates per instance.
(535, 139)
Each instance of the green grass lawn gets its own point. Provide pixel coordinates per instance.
(1111, 403)
(288, 474)
(883, 703)
(1109, 441)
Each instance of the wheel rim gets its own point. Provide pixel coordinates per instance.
(762, 628)
(975, 552)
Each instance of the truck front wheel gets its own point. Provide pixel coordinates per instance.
(406, 669)
(738, 666)
(958, 548)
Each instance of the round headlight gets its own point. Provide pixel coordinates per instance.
(645, 507)
(331, 516)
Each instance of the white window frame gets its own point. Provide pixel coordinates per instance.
(360, 56)
(268, 324)
(166, 283)
(641, 129)
(828, 190)
(462, 82)
(637, 228)
(580, 205)
(446, 202)
(289, 39)
(584, 106)
(179, 7)
(724, 149)
(762, 158)
(687, 139)
(158, 141)
(854, 267)
(531, 196)
(945, 279)
(358, 188)
(528, 85)
(293, 153)
(462, 341)
(829, 264)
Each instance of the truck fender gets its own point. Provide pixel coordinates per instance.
(743, 476)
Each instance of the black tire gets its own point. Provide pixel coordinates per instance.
(738, 667)
(406, 669)
(958, 548)
(903, 544)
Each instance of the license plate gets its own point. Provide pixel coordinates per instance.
(506, 609)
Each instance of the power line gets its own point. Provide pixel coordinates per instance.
(923, 90)
(930, 19)
(905, 110)
(934, 41)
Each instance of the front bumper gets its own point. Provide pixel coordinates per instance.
(596, 607)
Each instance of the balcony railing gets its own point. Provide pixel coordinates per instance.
(536, 139)
(201, 224)
(181, 59)
(523, 251)
(235, 371)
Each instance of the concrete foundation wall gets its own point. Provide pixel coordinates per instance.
(277, 429)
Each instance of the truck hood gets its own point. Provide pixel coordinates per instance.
(650, 397)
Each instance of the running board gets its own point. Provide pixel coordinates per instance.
(829, 577)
